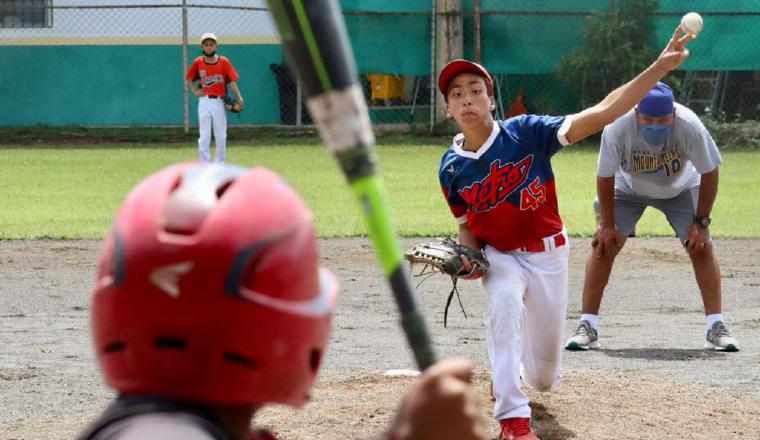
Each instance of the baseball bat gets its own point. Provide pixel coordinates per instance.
(316, 46)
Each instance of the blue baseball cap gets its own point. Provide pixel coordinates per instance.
(658, 101)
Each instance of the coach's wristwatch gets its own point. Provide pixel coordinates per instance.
(703, 220)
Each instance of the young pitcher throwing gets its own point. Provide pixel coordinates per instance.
(498, 181)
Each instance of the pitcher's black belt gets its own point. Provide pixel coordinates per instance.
(212, 96)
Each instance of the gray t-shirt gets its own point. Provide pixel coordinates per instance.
(657, 172)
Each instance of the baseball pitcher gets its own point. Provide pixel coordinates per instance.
(498, 181)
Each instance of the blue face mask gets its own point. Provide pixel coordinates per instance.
(655, 134)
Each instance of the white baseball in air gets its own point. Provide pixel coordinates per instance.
(691, 23)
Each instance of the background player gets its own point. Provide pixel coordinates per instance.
(498, 182)
(209, 303)
(213, 73)
(657, 155)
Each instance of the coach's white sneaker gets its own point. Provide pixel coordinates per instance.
(719, 339)
(584, 337)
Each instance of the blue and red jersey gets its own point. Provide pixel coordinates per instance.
(505, 190)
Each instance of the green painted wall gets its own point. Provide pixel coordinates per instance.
(527, 42)
(130, 84)
(123, 85)
(398, 44)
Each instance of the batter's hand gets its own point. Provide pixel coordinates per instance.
(441, 405)
(607, 241)
(698, 238)
(675, 52)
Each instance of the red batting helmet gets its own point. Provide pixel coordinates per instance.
(208, 289)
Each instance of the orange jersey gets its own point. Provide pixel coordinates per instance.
(212, 78)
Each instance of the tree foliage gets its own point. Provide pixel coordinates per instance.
(616, 50)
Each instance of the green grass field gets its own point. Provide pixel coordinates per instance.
(72, 192)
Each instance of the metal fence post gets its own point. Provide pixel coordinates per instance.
(449, 43)
(476, 30)
(185, 104)
(299, 107)
(431, 83)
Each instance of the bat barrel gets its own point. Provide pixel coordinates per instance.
(316, 45)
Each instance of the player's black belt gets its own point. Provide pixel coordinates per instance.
(211, 96)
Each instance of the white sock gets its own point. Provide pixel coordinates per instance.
(712, 319)
(592, 319)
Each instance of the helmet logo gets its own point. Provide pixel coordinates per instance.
(166, 278)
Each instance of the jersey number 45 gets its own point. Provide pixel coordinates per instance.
(532, 195)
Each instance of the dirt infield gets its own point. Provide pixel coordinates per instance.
(652, 380)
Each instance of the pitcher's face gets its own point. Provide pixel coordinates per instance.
(468, 100)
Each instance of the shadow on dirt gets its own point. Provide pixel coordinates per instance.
(663, 354)
(545, 424)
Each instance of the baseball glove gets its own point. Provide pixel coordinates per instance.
(232, 104)
(445, 256)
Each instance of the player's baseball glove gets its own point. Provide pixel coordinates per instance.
(445, 256)
(232, 104)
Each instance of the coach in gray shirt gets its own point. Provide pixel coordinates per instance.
(661, 155)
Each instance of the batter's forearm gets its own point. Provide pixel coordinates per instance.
(708, 191)
(605, 191)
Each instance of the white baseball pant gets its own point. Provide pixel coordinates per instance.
(211, 113)
(525, 322)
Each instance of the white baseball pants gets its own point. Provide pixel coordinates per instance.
(211, 113)
(525, 323)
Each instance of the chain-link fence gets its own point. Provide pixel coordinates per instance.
(121, 62)
(532, 51)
